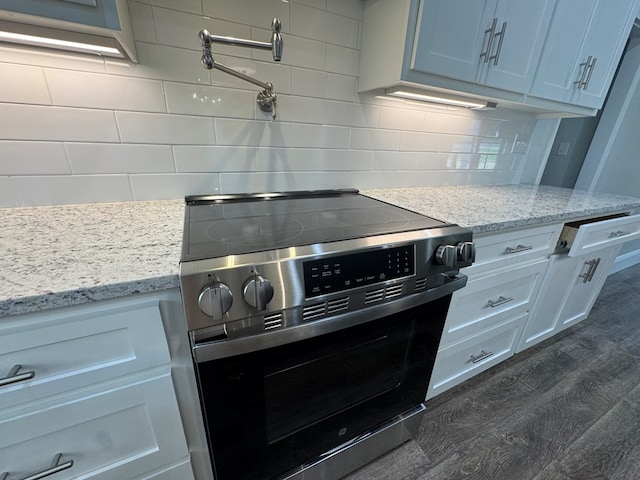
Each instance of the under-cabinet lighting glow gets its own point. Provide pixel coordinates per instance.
(55, 43)
(437, 98)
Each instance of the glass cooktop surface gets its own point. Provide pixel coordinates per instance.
(244, 225)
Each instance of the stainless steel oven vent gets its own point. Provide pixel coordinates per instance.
(374, 296)
(421, 284)
(314, 311)
(273, 321)
(337, 305)
(393, 291)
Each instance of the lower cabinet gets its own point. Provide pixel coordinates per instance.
(88, 392)
(570, 289)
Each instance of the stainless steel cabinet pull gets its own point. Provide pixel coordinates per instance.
(55, 467)
(593, 265)
(491, 31)
(501, 33)
(500, 301)
(14, 377)
(583, 83)
(480, 357)
(590, 67)
(519, 248)
(619, 233)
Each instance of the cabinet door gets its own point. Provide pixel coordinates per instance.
(99, 13)
(517, 43)
(597, 30)
(450, 36)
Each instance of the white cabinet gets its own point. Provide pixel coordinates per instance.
(103, 22)
(494, 43)
(513, 51)
(575, 276)
(570, 289)
(95, 384)
(583, 48)
(486, 318)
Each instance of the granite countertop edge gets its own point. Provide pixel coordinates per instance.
(105, 251)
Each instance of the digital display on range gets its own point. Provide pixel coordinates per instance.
(335, 274)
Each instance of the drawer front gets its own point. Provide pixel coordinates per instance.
(463, 360)
(497, 250)
(607, 233)
(120, 433)
(492, 299)
(78, 347)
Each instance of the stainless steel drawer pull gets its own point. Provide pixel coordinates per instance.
(55, 467)
(14, 377)
(496, 57)
(619, 233)
(500, 301)
(593, 266)
(480, 357)
(491, 31)
(519, 248)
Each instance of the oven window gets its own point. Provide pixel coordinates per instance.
(300, 395)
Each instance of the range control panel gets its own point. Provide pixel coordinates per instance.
(335, 274)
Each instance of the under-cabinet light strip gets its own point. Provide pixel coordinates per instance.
(52, 42)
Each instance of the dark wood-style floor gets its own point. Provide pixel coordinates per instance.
(566, 409)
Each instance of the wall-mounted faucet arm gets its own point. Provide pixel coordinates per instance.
(240, 75)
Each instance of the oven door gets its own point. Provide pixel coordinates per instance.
(273, 410)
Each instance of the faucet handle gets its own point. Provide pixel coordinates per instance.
(276, 39)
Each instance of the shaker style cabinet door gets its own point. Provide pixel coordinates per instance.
(98, 13)
(491, 43)
(450, 37)
(582, 50)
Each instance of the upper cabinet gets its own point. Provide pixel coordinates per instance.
(583, 48)
(513, 51)
(494, 43)
(99, 22)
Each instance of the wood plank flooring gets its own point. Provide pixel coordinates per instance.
(566, 409)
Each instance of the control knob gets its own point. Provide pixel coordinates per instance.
(447, 255)
(257, 292)
(467, 252)
(215, 300)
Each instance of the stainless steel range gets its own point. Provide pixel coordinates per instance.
(314, 321)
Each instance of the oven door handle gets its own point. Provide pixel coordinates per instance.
(207, 351)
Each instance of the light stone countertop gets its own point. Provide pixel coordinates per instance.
(67, 255)
(485, 209)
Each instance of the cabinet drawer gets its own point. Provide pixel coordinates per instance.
(463, 360)
(77, 347)
(594, 234)
(497, 250)
(491, 299)
(119, 433)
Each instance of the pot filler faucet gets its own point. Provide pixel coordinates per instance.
(266, 98)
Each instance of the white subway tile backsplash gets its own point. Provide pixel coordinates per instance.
(177, 185)
(342, 60)
(95, 158)
(375, 139)
(161, 62)
(209, 101)
(101, 91)
(249, 12)
(33, 158)
(214, 159)
(70, 189)
(319, 136)
(323, 26)
(142, 22)
(192, 6)
(29, 122)
(308, 159)
(281, 181)
(7, 196)
(252, 133)
(161, 129)
(78, 128)
(22, 84)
